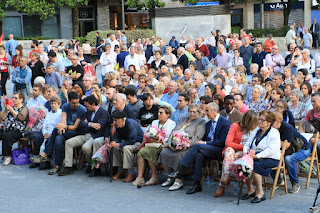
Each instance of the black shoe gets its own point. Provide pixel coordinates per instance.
(66, 171)
(95, 172)
(45, 165)
(258, 200)
(196, 188)
(246, 196)
(88, 170)
(34, 165)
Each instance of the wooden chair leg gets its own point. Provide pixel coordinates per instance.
(318, 172)
(265, 181)
(32, 145)
(275, 182)
(285, 181)
(310, 172)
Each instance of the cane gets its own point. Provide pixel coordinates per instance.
(240, 192)
(111, 153)
(318, 191)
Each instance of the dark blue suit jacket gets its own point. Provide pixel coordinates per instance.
(220, 134)
(102, 117)
(129, 134)
(183, 60)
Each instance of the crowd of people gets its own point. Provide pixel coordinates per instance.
(226, 94)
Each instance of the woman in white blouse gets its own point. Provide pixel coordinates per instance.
(265, 140)
(307, 63)
(152, 148)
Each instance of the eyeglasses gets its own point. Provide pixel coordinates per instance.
(193, 112)
(261, 120)
(280, 107)
(15, 98)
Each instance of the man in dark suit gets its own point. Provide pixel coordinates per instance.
(209, 148)
(94, 124)
(314, 29)
(230, 112)
(183, 59)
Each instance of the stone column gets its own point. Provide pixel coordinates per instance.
(307, 14)
(103, 15)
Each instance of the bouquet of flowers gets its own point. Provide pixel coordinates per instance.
(180, 140)
(100, 157)
(36, 116)
(242, 168)
(154, 133)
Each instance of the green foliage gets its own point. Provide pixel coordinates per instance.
(31, 38)
(139, 4)
(42, 8)
(264, 32)
(131, 35)
(81, 39)
(235, 29)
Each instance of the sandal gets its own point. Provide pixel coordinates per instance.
(151, 181)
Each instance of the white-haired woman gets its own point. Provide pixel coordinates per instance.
(170, 58)
(256, 103)
(307, 63)
(298, 108)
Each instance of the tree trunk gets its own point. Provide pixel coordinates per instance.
(75, 21)
(286, 12)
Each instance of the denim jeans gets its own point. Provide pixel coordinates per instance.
(57, 141)
(37, 142)
(291, 163)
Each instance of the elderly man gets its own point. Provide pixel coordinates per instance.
(314, 29)
(119, 102)
(93, 125)
(132, 59)
(194, 96)
(222, 58)
(198, 83)
(291, 36)
(230, 112)
(264, 72)
(188, 52)
(182, 109)
(171, 97)
(75, 71)
(53, 78)
(246, 52)
(127, 138)
(114, 42)
(201, 61)
(183, 59)
(149, 111)
(188, 76)
(253, 70)
(11, 46)
(65, 89)
(21, 78)
(67, 62)
(57, 64)
(122, 56)
(209, 148)
(202, 47)
(289, 56)
(275, 60)
(87, 83)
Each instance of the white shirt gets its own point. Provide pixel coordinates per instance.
(52, 118)
(32, 102)
(169, 125)
(107, 62)
(269, 145)
(135, 60)
(114, 43)
(310, 66)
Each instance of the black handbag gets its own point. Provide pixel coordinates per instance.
(295, 146)
(315, 122)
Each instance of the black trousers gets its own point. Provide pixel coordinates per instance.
(8, 139)
(315, 38)
(4, 78)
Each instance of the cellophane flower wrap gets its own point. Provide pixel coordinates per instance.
(100, 157)
(180, 140)
(243, 167)
(156, 133)
(36, 117)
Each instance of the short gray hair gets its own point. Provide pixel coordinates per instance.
(181, 49)
(306, 51)
(259, 88)
(90, 77)
(54, 88)
(69, 80)
(121, 96)
(213, 106)
(194, 106)
(39, 79)
(297, 93)
(200, 75)
(188, 46)
(256, 65)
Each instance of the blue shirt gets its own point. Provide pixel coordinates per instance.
(121, 57)
(173, 44)
(124, 39)
(73, 114)
(11, 46)
(172, 100)
(178, 114)
(258, 58)
(288, 132)
(54, 79)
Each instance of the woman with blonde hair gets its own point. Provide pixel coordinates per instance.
(241, 82)
(97, 94)
(237, 136)
(158, 90)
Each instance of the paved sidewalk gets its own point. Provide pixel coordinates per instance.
(31, 190)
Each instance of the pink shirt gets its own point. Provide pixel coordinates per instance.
(309, 116)
(244, 109)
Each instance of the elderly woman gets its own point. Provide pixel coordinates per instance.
(283, 108)
(210, 90)
(276, 94)
(306, 90)
(152, 73)
(152, 147)
(316, 86)
(158, 90)
(36, 66)
(287, 89)
(14, 122)
(142, 84)
(211, 70)
(265, 141)
(307, 63)
(256, 103)
(194, 126)
(241, 82)
(170, 59)
(298, 108)
(156, 64)
(237, 136)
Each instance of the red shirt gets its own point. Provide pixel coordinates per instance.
(3, 63)
(33, 51)
(268, 45)
(244, 109)
(204, 49)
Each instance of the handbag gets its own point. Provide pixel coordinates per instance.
(315, 122)
(295, 146)
(20, 156)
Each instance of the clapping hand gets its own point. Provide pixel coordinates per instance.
(96, 126)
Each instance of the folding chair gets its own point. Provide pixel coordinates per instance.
(280, 168)
(313, 158)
